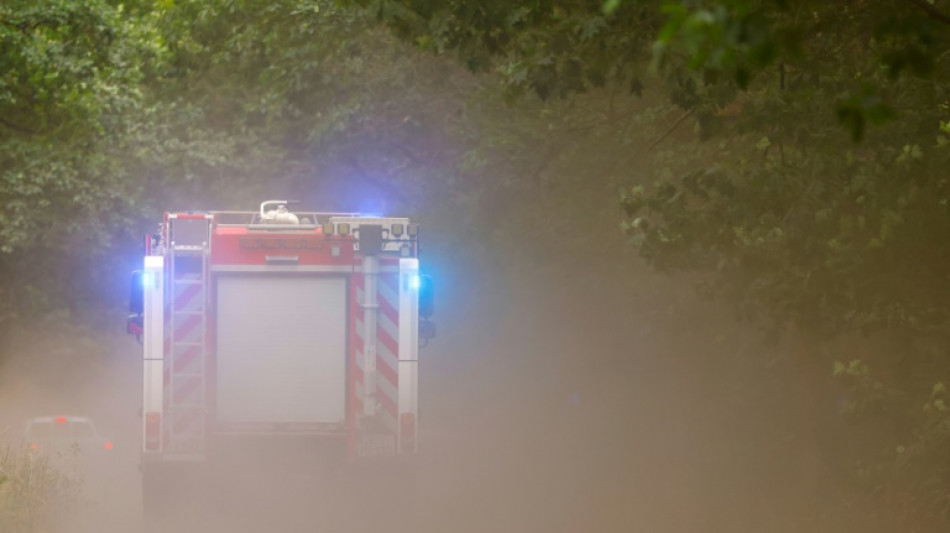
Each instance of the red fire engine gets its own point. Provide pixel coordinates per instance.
(277, 323)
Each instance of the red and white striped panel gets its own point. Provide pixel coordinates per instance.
(183, 357)
(387, 349)
(356, 356)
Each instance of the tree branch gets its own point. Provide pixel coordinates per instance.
(671, 130)
(932, 11)
(16, 127)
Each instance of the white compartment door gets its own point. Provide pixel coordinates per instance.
(281, 348)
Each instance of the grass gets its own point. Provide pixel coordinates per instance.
(35, 494)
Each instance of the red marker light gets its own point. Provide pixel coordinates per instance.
(61, 420)
(108, 445)
(34, 446)
(153, 431)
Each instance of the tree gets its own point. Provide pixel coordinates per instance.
(812, 198)
(69, 102)
(794, 221)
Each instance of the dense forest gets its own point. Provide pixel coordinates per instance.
(757, 189)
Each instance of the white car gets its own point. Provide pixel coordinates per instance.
(66, 435)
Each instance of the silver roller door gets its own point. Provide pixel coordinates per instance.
(281, 349)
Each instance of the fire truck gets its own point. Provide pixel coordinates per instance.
(278, 325)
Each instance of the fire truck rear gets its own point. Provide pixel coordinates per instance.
(298, 329)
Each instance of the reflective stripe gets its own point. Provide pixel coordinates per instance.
(387, 348)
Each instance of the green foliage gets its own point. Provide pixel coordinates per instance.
(299, 93)
(863, 392)
(742, 40)
(68, 89)
(789, 219)
(553, 49)
(796, 224)
(811, 193)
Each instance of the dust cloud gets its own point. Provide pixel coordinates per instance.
(66, 367)
(546, 408)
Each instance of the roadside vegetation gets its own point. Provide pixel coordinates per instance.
(35, 495)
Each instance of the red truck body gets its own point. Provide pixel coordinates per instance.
(279, 325)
